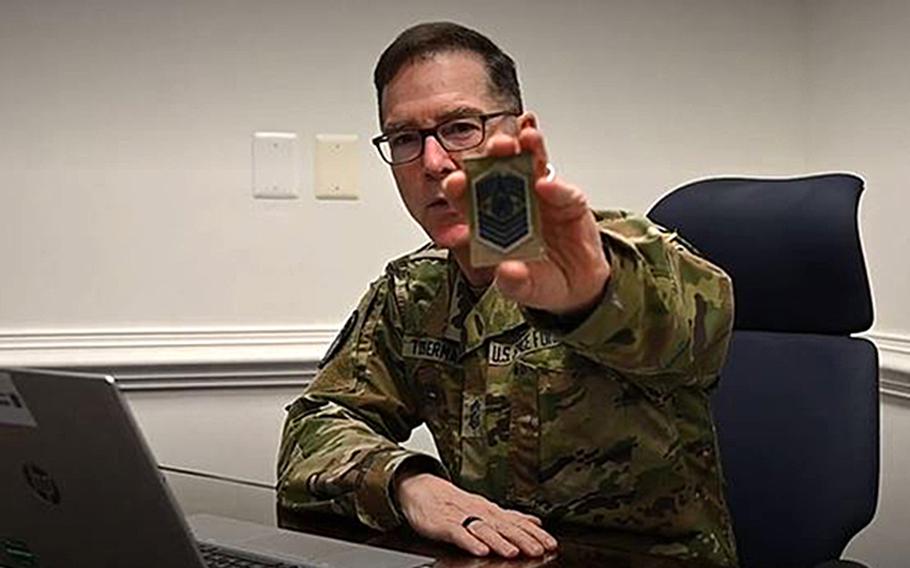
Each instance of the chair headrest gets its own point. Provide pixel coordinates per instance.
(791, 247)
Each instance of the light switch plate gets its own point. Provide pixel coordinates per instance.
(275, 165)
(337, 166)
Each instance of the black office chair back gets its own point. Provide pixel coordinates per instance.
(797, 408)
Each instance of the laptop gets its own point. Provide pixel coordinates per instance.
(79, 488)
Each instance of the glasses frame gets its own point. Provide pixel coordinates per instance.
(434, 132)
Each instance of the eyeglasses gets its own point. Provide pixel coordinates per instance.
(454, 135)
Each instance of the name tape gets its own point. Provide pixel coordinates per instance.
(431, 349)
(445, 351)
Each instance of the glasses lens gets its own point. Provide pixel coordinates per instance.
(402, 147)
(461, 133)
(455, 135)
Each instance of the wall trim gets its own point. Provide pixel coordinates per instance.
(233, 376)
(164, 346)
(260, 356)
(894, 361)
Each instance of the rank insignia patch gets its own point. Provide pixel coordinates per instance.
(503, 210)
(503, 218)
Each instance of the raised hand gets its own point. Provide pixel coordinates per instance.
(571, 278)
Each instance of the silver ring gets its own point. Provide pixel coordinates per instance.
(551, 172)
(468, 520)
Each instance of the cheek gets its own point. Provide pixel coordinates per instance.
(408, 181)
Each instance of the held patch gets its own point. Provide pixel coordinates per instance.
(340, 340)
(502, 210)
(503, 215)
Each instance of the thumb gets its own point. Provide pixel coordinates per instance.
(513, 278)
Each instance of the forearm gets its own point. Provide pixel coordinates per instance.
(664, 311)
(331, 460)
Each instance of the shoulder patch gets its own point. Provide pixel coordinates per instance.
(340, 339)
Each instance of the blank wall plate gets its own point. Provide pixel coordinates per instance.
(275, 165)
(337, 166)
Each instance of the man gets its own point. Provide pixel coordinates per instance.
(572, 389)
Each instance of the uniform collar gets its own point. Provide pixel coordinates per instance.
(492, 314)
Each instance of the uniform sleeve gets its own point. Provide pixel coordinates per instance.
(667, 314)
(339, 449)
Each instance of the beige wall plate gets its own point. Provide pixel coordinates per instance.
(337, 166)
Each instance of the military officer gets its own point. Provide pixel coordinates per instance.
(569, 389)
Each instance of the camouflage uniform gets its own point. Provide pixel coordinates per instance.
(606, 424)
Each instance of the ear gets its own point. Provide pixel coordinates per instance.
(527, 120)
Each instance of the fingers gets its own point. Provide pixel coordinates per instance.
(527, 517)
(531, 140)
(501, 145)
(513, 278)
(541, 536)
(523, 540)
(560, 202)
(436, 509)
(454, 187)
(530, 528)
(555, 194)
(494, 538)
(510, 534)
(462, 538)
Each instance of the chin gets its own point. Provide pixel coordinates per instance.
(450, 236)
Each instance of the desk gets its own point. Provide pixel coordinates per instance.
(577, 548)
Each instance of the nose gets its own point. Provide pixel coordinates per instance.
(437, 163)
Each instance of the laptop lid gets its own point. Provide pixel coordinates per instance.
(78, 485)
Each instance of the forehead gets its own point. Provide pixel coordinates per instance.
(426, 89)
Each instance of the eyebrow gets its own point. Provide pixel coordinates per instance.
(458, 112)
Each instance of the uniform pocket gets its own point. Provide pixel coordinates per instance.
(439, 386)
(601, 442)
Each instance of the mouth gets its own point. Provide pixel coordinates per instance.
(438, 203)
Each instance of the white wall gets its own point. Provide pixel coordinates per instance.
(858, 117)
(229, 432)
(128, 232)
(858, 109)
(125, 158)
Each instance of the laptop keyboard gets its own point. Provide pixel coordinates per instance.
(218, 557)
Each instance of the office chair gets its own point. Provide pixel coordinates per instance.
(797, 407)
